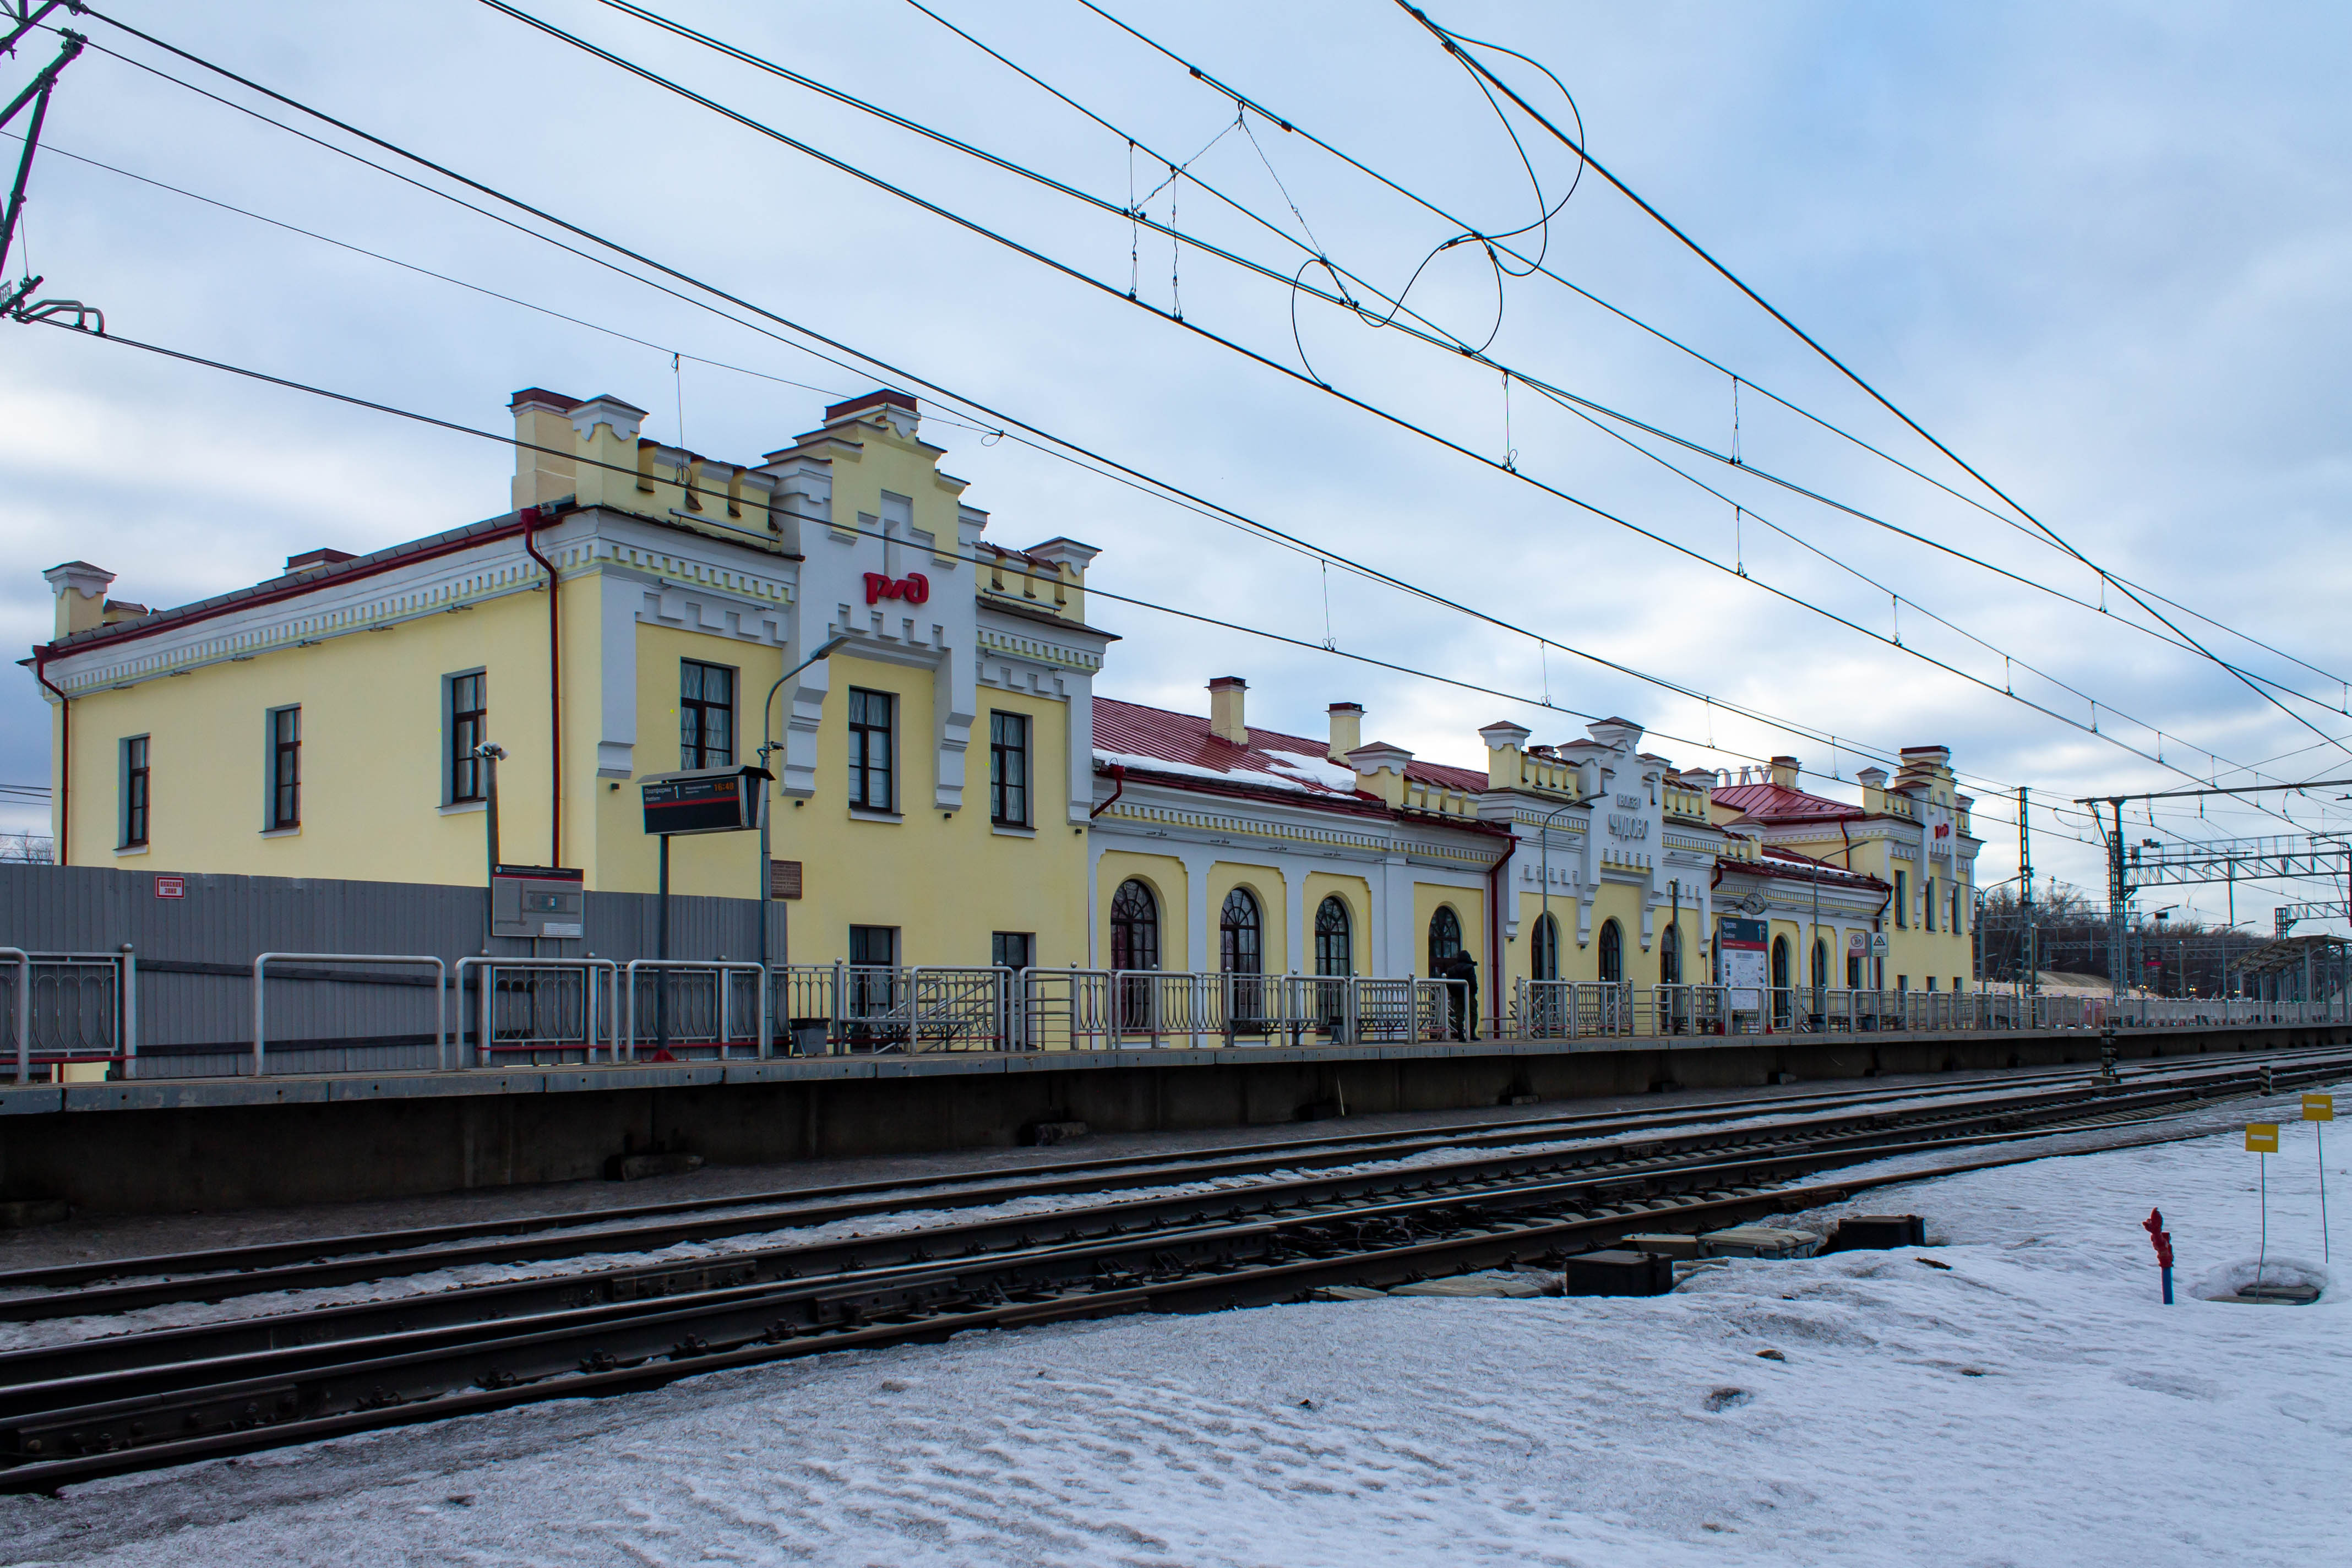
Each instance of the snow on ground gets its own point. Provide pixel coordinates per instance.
(2031, 1402)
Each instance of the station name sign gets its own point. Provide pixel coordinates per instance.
(704, 800)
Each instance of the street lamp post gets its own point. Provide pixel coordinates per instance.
(767, 745)
(1551, 931)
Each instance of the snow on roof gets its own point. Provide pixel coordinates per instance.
(1128, 734)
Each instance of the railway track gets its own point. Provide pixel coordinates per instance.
(125, 1284)
(137, 1401)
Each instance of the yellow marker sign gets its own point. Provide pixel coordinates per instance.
(2261, 1137)
(2319, 1107)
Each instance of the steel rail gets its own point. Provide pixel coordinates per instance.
(1233, 1265)
(696, 1225)
(94, 1389)
(405, 1250)
(1145, 1169)
(502, 1302)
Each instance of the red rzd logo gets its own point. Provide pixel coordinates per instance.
(914, 588)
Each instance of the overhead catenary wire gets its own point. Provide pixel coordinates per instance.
(890, 371)
(1174, 317)
(1142, 480)
(974, 558)
(1421, 329)
(1455, 48)
(1198, 73)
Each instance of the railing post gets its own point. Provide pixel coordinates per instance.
(24, 1014)
(260, 967)
(126, 1012)
(485, 1019)
(767, 1015)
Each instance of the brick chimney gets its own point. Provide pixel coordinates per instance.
(1225, 720)
(1346, 729)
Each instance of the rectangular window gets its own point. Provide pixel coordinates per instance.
(1008, 769)
(1903, 983)
(1928, 907)
(1013, 949)
(1931, 983)
(706, 715)
(1902, 900)
(870, 738)
(873, 946)
(469, 709)
(134, 793)
(1957, 906)
(285, 769)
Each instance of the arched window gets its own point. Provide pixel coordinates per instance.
(1613, 951)
(1543, 952)
(1821, 961)
(1779, 963)
(1333, 953)
(1134, 927)
(1238, 949)
(1445, 937)
(1670, 957)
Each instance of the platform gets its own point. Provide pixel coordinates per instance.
(208, 1143)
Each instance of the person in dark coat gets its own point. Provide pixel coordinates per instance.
(1466, 969)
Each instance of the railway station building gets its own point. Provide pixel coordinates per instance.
(641, 609)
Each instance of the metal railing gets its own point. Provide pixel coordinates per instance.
(1106, 1009)
(261, 994)
(692, 1005)
(855, 1007)
(1583, 1009)
(542, 1006)
(68, 1009)
(70, 1014)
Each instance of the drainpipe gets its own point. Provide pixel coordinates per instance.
(65, 750)
(1118, 787)
(1494, 939)
(532, 520)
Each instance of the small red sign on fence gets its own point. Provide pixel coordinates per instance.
(171, 886)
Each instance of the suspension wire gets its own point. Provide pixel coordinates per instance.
(877, 534)
(1124, 474)
(1244, 99)
(1079, 275)
(1295, 282)
(1473, 64)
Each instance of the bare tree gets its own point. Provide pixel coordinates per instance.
(27, 850)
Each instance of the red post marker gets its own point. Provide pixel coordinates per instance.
(2161, 1239)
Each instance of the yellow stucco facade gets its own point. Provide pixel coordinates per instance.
(942, 782)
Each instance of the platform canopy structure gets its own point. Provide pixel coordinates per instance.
(2297, 969)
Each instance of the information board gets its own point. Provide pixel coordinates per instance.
(706, 800)
(1741, 948)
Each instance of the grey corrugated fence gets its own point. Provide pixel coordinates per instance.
(194, 957)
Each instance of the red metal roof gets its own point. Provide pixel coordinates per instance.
(1275, 759)
(1768, 802)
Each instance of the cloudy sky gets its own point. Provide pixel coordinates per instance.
(2099, 251)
